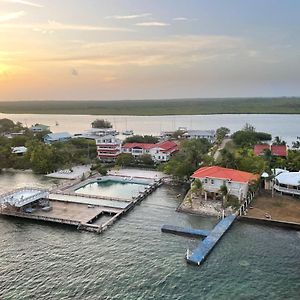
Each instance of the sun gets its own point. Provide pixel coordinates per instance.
(4, 69)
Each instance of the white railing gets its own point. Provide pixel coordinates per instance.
(286, 190)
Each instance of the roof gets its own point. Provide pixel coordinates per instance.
(224, 173)
(167, 145)
(57, 136)
(19, 150)
(164, 146)
(278, 150)
(144, 146)
(40, 125)
(200, 132)
(260, 148)
(289, 178)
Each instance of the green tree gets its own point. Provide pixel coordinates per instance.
(146, 159)
(148, 139)
(100, 123)
(125, 160)
(221, 133)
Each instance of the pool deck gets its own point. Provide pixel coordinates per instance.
(199, 254)
(82, 211)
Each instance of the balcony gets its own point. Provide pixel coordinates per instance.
(286, 190)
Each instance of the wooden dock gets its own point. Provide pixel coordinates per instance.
(199, 254)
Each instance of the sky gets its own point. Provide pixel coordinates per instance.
(148, 49)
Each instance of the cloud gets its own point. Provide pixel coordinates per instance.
(129, 17)
(28, 3)
(180, 19)
(153, 24)
(175, 50)
(53, 25)
(12, 16)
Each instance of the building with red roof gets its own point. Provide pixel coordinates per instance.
(276, 150)
(159, 152)
(237, 182)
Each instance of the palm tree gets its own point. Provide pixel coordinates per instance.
(224, 192)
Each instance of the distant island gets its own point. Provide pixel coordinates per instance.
(201, 106)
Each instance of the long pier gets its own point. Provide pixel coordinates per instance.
(199, 254)
(185, 231)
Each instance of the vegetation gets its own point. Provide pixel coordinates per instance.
(192, 155)
(248, 137)
(283, 105)
(149, 139)
(128, 160)
(99, 123)
(221, 133)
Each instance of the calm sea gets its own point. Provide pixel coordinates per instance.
(285, 126)
(134, 260)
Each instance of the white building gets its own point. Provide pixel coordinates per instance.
(287, 182)
(213, 178)
(39, 128)
(159, 152)
(210, 135)
(108, 147)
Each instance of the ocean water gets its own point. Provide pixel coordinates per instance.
(284, 126)
(135, 260)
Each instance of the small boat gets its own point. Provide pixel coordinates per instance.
(127, 132)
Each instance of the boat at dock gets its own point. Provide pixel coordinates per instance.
(128, 132)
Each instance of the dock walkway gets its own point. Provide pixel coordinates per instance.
(199, 254)
(185, 231)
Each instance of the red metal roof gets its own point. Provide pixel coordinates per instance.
(167, 145)
(224, 173)
(259, 149)
(279, 150)
(138, 145)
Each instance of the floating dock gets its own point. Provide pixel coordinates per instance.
(199, 254)
(185, 231)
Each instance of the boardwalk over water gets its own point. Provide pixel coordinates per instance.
(199, 254)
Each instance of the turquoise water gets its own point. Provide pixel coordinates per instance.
(135, 260)
(112, 188)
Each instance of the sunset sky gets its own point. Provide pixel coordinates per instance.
(146, 49)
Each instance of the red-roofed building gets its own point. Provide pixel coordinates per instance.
(214, 177)
(276, 150)
(159, 152)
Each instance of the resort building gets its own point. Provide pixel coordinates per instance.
(287, 182)
(39, 128)
(159, 152)
(57, 137)
(210, 135)
(212, 178)
(276, 150)
(108, 147)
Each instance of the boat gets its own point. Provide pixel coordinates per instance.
(127, 132)
(56, 123)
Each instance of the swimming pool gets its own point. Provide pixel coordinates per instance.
(111, 188)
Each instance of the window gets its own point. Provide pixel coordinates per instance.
(205, 180)
(212, 181)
